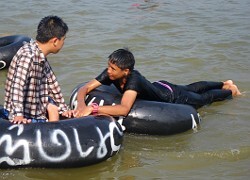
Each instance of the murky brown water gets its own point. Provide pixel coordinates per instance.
(180, 41)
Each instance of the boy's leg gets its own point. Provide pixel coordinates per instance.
(52, 112)
(203, 86)
(198, 100)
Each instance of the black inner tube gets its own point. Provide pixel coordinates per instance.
(9, 45)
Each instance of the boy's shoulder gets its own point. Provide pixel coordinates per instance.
(29, 49)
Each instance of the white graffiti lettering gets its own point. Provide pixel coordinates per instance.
(102, 150)
(113, 126)
(199, 117)
(3, 64)
(10, 149)
(101, 103)
(194, 124)
(12, 146)
(74, 101)
(20, 128)
(79, 148)
(92, 100)
(54, 139)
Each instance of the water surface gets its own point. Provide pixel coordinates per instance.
(179, 41)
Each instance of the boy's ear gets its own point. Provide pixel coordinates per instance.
(126, 71)
(54, 41)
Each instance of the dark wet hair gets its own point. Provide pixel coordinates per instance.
(123, 59)
(50, 27)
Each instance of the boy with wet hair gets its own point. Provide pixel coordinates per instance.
(132, 85)
(32, 92)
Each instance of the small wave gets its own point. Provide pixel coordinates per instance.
(230, 154)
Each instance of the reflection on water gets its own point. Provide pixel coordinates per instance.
(179, 41)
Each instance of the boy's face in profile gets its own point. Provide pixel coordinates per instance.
(114, 72)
